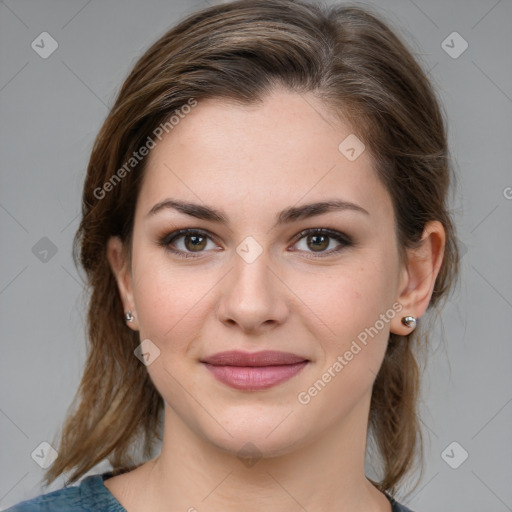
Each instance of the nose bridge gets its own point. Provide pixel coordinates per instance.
(252, 296)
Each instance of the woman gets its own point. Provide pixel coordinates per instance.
(264, 222)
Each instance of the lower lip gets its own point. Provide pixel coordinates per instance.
(252, 378)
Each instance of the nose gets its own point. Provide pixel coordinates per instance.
(253, 297)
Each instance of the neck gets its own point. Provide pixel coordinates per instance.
(322, 475)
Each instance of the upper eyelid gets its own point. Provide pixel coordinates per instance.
(333, 233)
(179, 233)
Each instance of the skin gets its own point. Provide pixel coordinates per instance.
(251, 162)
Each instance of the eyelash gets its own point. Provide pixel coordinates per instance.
(344, 240)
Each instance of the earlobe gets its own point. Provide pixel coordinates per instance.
(418, 277)
(118, 260)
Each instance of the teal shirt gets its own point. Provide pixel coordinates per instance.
(91, 495)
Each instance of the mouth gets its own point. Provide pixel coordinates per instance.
(254, 371)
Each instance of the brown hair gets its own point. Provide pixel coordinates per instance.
(352, 61)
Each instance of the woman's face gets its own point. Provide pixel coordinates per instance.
(253, 282)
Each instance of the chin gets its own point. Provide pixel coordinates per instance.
(258, 436)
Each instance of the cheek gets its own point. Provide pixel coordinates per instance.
(356, 310)
(356, 307)
(171, 306)
(346, 300)
(170, 301)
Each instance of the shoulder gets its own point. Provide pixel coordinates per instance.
(88, 495)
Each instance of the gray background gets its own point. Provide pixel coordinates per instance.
(52, 108)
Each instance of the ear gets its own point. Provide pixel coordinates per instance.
(418, 276)
(121, 268)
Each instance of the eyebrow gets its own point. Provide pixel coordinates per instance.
(286, 216)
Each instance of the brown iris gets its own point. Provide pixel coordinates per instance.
(198, 242)
(323, 244)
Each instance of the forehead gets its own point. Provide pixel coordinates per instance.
(281, 151)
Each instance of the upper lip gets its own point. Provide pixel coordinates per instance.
(263, 358)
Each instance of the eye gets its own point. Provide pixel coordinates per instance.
(194, 241)
(191, 240)
(319, 239)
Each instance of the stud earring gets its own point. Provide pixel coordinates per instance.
(128, 316)
(409, 321)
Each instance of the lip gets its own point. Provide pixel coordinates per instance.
(262, 358)
(254, 371)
